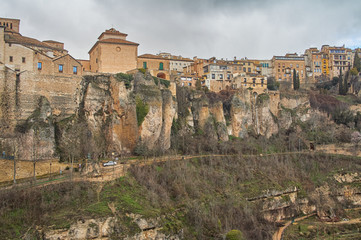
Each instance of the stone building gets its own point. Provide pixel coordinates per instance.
(10, 24)
(112, 53)
(255, 82)
(158, 66)
(338, 58)
(31, 69)
(283, 67)
(176, 63)
(218, 76)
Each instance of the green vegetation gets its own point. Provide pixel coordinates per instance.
(142, 110)
(234, 235)
(262, 98)
(126, 78)
(357, 62)
(164, 82)
(142, 70)
(156, 80)
(272, 84)
(296, 80)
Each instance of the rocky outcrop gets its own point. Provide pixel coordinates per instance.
(116, 113)
(84, 229)
(36, 138)
(241, 114)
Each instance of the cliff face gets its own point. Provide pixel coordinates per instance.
(117, 113)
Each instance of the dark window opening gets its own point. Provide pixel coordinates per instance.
(23, 60)
(60, 67)
(11, 58)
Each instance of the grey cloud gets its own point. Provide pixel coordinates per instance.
(221, 28)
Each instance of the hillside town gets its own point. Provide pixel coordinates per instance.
(132, 146)
(113, 53)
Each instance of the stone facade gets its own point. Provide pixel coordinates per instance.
(283, 67)
(338, 58)
(10, 24)
(157, 66)
(112, 53)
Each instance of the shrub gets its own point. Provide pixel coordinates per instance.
(142, 110)
(234, 235)
(156, 80)
(126, 78)
(142, 70)
(164, 82)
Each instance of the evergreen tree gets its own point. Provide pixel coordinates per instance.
(340, 84)
(198, 84)
(345, 83)
(298, 81)
(356, 62)
(295, 85)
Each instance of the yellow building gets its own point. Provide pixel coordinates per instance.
(283, 67)
(112, 53)
(157, 65)
(255, 82)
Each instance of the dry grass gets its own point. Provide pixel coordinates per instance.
(24, 169)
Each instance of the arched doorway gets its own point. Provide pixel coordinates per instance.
(161, 75)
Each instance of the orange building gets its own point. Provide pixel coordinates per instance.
(283, 67)
(157, 66)
(112, 53)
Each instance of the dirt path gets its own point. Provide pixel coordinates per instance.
(343, 149)
(278, 234)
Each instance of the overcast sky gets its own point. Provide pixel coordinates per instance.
(204, 28)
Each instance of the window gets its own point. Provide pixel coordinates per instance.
(220, 76)
(96, 60)
(160, 66)
(291, 65)
(145, 65)
(244, 69)
(245, 80)
(213, 76)
(40, 65)
(228, 76)
(23, 59)
(11, 59)
(249, 69)
(75, 70)
(297, 66)
(60, 67)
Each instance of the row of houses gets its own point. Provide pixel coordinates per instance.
(113, 53)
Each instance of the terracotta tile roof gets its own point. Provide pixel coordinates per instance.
(171, 58)
(113, 41)
(19, 39)
(151, 56)
(112, 31)
(116, 40)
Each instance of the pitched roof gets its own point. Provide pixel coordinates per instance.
(19, 39)
(151, 56)
(114, 41)
(112, 31)
(171, 58)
